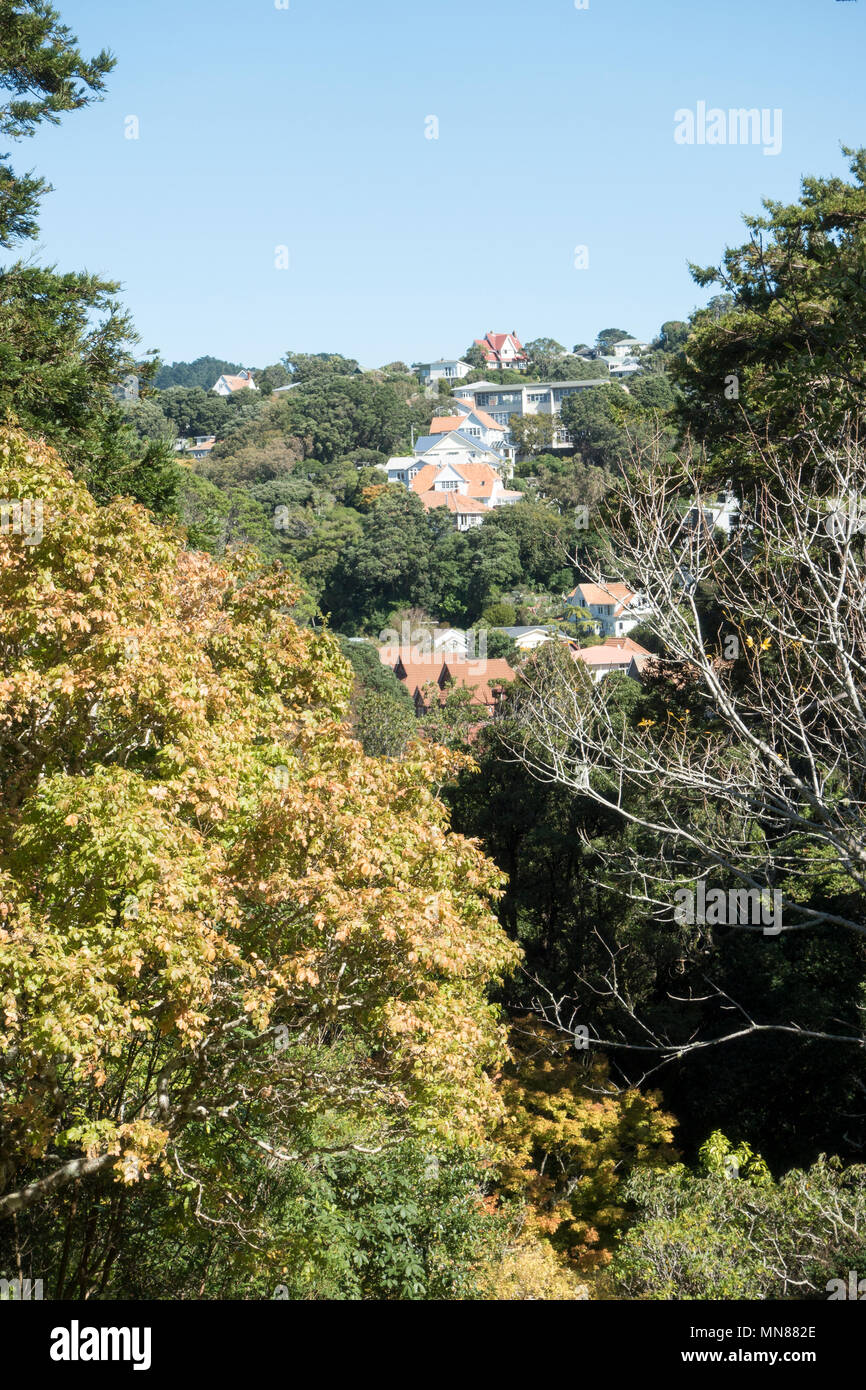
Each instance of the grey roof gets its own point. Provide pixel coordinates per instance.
(521, 631)
(427, 440)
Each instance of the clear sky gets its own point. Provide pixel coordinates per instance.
(305, 127)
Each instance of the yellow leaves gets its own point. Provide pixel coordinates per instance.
(310, 901)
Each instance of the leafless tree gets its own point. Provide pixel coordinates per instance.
(752, 775)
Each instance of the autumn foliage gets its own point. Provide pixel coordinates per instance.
(217, 914)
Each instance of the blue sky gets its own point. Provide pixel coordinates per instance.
(305, 127)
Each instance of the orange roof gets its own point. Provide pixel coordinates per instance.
(603, 656)
(466, 675)
(444, 424)
(480, 477)
(613, 653)
(419, 673)
(454, 502)
(470, 675)
(425, 477)
(627, 644)
(618, 594)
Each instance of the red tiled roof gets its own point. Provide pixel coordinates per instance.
(492, 343)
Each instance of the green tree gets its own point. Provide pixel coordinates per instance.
(532, 433)
(64, 340)
(45, 75)
(607, 337)
(311, 366)
(729, 1231)
(475, 357)
(234, 947)
(784, 354)
(544, 355)
(202, 374)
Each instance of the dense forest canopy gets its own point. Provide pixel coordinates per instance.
(308, 984)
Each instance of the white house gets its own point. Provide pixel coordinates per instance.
(723, 513)
(446, 369)
(450, 641)
(455, 446)
(526, 639)
(621, 366)
(629, 347)
(474, 424)
(468, 491)
(615, 608)
(199, 447)
(228, 385)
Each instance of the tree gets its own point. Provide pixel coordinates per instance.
(532, 433)
(387, 566)
(571, 1144)
(739, 767)
(784, 354)
(271, 378)
(729, 1231)
(226, 932)
(577, 369)
(46, 75)
(607, 337)
(64, 341)
(597, 421)
(544, 355)
(475, 357)
(501, 647)
(673, 335)
(311, 366)
(193, 410)
(200, 375)
(499, 614)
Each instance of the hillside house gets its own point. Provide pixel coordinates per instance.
(429, 682)
(446, 369)
(503, 351)
(228, 385)
(526, 638)
(526, 398)
(468, 490)
(617, 654)
(615, 608)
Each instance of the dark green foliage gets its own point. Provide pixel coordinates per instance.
(200, 375)
(782, 352)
